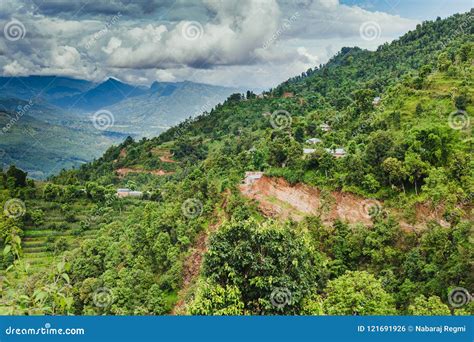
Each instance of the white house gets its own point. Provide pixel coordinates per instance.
(336, 152)
(325, 127)
(128, 193)
(252, 176)
(314, 141)
(308, 150)
(376, 101)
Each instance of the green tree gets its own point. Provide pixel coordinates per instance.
(18, 176)
(415, 168)
(432, 306)
(261, 260)
(357, 293)
(212, 299)
(395, 171)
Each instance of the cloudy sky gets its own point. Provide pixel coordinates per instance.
(245, 43)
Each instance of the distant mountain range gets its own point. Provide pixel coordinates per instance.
(60, 111)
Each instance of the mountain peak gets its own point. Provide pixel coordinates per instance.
(112, 79)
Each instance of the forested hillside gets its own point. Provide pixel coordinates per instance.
(391, 126)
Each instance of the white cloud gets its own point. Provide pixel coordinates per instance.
(114, 44)
(14, 68)
(65, 57)
(165, 76)
(229, 48)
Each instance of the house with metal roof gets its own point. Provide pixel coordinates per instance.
(325, 127)
(314, 141)
(336, 152)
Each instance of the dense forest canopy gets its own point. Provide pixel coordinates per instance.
(400, 119)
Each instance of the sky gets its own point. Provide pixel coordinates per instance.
(253, 44)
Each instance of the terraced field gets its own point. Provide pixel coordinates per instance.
(39, 242)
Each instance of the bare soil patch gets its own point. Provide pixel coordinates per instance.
(277, 198)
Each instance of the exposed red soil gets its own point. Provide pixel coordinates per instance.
(123, 153)
(164, 155)
(122, 172)
(277, 198)
(167, 159)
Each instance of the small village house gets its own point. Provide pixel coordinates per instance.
(325, 127)
(308, 150)
(129, 193)
(336, 152)
(314, 141)
(252, 176)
